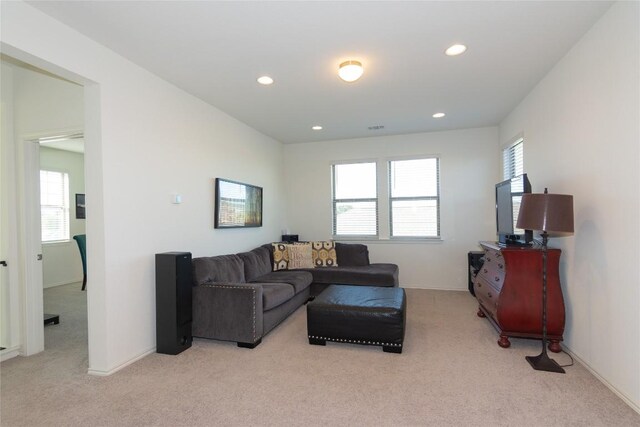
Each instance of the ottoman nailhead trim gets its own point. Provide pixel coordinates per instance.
(386, 344)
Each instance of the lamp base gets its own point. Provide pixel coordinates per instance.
(542, 362)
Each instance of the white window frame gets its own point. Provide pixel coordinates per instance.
(335, 201)
(436, 198)
(383, 202)
(66, 222)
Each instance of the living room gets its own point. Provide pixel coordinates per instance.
(147, 140)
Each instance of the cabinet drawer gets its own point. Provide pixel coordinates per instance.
(493, 268)
(487, 296)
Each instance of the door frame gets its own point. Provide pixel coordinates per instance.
(99, 361)
(31, 251)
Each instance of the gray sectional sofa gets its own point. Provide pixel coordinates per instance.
(239, 298)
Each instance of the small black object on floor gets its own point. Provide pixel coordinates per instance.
(51, 318)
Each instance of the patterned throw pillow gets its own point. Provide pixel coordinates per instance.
(280, 257)
(300, 256)
(324, 254)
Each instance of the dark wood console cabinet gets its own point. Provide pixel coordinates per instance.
(509, 290)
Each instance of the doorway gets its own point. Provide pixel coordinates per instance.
(62, 219)
(36, 106)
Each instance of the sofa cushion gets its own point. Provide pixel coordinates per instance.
(280, 254)
(299, 279)
(370, 275)
(218, 269)
(274, 294)
(256, 262)
(300, 256)
(324, 254)
(352, 254)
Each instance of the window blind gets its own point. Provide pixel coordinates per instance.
(54, 205)
(414, 197)
(355, 199)
(513, 160)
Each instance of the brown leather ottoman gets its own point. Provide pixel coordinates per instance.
(366, 315)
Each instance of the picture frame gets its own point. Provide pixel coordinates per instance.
(237, 205)
(80, 206)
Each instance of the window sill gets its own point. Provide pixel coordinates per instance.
(395, 240)
(56, 243)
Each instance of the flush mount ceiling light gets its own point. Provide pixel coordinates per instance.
(456, 49)
(350, 71)
(316, 127)
(438, 115)
(265, 80)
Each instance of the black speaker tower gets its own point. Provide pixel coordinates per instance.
(173, 302)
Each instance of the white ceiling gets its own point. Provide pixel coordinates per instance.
(216, 50)
(73, 145)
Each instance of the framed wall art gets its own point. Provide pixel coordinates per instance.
(80, 206)
(237, 204)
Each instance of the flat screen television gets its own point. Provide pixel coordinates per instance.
(508, 196)
(237, 204)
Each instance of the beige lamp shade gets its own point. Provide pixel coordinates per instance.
(552, 213)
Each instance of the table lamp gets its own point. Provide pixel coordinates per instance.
(549, 213)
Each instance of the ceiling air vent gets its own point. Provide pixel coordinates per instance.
(376, 127)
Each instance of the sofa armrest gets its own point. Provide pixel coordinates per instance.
(230, 312)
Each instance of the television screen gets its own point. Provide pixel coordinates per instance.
(508, 198)
(504, 209)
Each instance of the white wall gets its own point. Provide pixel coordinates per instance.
(144, 141)
(581, 127)
(469, 169)
(45, 104)
(61, 262)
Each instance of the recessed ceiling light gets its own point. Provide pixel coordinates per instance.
(438, 115)
(376, 127)
(456, 49)
(316, 127)
(265, 80)
(350, 71)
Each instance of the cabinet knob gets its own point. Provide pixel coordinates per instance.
(489, 294)
(485, 270)
(479, 285)
(500, 266)
(497, 279)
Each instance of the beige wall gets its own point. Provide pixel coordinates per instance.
(469, 169)
(582, 130)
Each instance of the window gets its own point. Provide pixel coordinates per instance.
(54, 205)
(513, 159)
(513, 165)
(414, 198)
(355, 200)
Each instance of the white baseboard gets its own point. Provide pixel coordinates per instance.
(617, 392)
(9, 353)
(53, 285)
(122, 365)
(434, 288)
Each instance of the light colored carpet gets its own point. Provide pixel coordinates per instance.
(451, 372)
